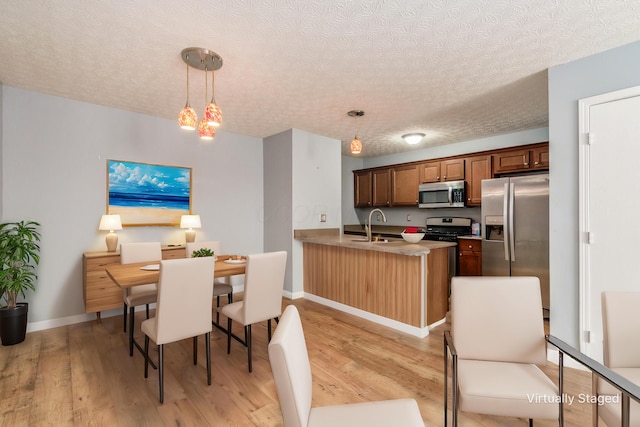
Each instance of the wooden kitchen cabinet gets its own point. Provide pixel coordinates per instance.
(477, 169)
(469, 257)
(362, 189)
(521, 159)
(404, 185)
(381, 187)
(99, 291)
(441, 171)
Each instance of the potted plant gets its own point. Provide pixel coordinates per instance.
(19, 254)
(203, 252)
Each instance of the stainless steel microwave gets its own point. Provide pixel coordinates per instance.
(441, 195)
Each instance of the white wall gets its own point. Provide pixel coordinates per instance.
(54, 153)
(302, 181)
(608, 71)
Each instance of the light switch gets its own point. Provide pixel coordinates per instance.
(323, 217)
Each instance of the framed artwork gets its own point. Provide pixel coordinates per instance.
(147, 194)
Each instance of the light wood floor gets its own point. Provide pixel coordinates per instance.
(82, 375)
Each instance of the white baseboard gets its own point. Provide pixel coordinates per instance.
(384, 321)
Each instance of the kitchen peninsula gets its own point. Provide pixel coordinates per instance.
(394, 283)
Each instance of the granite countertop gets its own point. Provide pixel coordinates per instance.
(393, 245)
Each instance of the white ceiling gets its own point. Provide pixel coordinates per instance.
(455, 70)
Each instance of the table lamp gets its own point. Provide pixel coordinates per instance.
(111, 223)
(190, 222)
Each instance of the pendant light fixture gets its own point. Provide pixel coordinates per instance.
(187, 119)
(207, 60)
(204, 129)
(212, 112)
(356, 145)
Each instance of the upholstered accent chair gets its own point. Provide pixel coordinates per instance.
(621, 353)
(496, 344)
(221, 286)
(263, 285)
(138, 295)
(292, 374)
(183, 310)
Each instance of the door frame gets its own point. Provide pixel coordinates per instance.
(584, 236)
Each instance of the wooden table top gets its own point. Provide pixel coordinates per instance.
(128, 275)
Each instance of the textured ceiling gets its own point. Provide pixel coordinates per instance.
(454, 70)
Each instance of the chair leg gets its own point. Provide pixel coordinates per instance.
(207, 346)
(269, 330)
(161, 372)
(147, 311)
(277, 320)
(230, 298)
(247, 334)
(146, 356)
(125, 317)
(195, 350)
(131, 323)
(218, 309)
(530, 422)
(229, 335)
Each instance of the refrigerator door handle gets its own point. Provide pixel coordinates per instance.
(505, 207)
(512, 240)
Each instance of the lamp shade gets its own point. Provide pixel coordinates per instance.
(190, 221)
(110, 222)
(356, 146)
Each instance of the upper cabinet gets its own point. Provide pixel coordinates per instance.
(477, 169)
(397, 185)
(521, 159)
(441, 171)
(404, 185)
(362, 189)
(381, 180)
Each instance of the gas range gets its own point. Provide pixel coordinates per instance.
(447, 229)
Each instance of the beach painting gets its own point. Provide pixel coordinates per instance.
(147, 194)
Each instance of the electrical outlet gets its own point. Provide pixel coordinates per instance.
(408, 217)
(378, 217)
(323, 217)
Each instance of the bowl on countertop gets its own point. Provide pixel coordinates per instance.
(412, 237)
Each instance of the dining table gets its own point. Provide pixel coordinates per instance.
(144, 273)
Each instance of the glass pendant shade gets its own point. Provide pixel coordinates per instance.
(206, 131)
(187, 119)
(356, 146)
(213, 114)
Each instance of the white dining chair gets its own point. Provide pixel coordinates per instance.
(183, 310)
(221, 286)
(263, 285)
(292, 375)
(138, 295)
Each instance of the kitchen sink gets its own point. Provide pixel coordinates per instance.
(367, 241)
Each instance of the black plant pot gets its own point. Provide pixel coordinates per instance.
(13, 324)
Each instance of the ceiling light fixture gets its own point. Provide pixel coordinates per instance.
(207, 60)
(204, 129)
(356, 145)
(413, 138)
(187, 119)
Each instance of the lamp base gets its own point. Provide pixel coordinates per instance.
(190, 236)
(112, 241)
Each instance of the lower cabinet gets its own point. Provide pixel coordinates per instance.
(469, 257)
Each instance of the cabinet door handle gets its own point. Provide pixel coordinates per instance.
(438, 178)
(536, 163)
(444, 177)
(470, 247)
(526, 164)
(460, 253)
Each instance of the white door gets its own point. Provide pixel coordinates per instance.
(610, 205)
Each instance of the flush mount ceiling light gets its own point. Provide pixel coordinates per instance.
(356, 145)
(413, 138)
(207, 60)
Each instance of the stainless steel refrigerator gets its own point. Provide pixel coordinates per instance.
(515, 229)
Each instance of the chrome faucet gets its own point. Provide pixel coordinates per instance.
(368, 227)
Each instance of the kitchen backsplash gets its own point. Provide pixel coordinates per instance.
(418, 217)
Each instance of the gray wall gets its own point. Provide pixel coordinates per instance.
(54, 153)
(605, 72)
